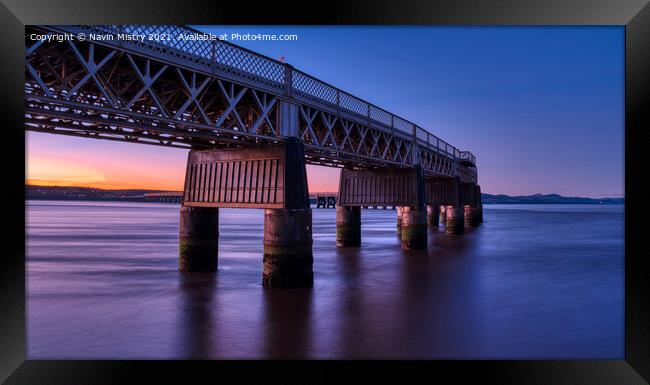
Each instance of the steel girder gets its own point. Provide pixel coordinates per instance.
(160, 96)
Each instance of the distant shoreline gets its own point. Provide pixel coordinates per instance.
(137, 195)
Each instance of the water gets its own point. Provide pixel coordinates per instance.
(532, 282)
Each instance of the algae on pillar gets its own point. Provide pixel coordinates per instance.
(414, 228)
(198, 243)
(348, 226)
(288, 258)
(400, 210)
(471, 216)
(455, 220)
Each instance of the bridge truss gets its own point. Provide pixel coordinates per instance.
(212, 94)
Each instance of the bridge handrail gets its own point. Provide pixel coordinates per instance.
(466, 155)
(229, 58)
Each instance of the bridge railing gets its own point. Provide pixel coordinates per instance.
(249, 66)
(466, 155)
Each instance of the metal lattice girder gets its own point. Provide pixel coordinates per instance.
(204, 94)
(91, 68)
(147, 81)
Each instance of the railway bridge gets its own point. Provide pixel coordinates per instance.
(251, 124)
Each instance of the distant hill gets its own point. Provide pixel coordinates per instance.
(83, 193)
(86, 193)
(546, 199)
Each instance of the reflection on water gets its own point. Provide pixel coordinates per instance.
(531, 282)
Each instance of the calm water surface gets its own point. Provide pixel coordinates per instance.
(531, 282)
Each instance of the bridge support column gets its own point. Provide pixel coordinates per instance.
(433, 215)
(471, 216)
(414, 228)
(443, 214)
(400, 210)
(455, 219)
(479, 203)
(288, 258)
(198, 239)
(348, 226)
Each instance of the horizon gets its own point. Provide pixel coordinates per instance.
(540, 107)
(311, 193)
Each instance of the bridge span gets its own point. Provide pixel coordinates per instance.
(251, 124)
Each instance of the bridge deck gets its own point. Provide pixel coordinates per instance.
(213, 94)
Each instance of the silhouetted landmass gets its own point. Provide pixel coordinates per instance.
(95, 194)
(84, 193)
(546, 199)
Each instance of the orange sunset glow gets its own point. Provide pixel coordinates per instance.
(53, 171)
(64, 161)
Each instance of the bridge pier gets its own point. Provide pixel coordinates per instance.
(443, 214)
(271, 177)
(401, 187)
(414, 228)
(288, 255)
(198, 239)
(433, 215)
(470, 199)
(348, 226)
(471, 216)
(479, 203)
(455, 220)
(400, 210)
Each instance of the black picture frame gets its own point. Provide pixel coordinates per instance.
(633, 14)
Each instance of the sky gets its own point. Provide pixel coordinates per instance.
(541, 108)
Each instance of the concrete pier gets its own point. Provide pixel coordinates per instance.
(288, 255)
(414, 228)
(198, 239)
(455, 220)
(348, 226)
(471, 216)
(400, 209)
(479, 203)
(433, 215)
(443, 214)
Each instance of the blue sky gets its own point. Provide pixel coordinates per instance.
(542, 108)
